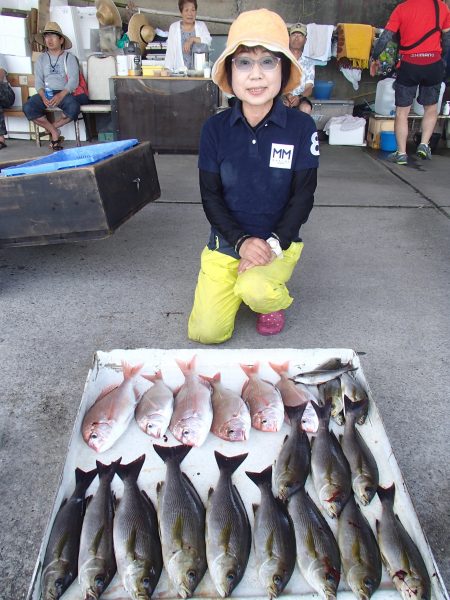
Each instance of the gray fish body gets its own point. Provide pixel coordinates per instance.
(136, 541)
(96, 561)
(181, 518)
(273, 538)
(60, 565)
(293, 462)
(400, 555)
(329, 468)
(228, 533)
(360, 555)
(354, 390)
(331, 391)
(324, 372)
(318, 555)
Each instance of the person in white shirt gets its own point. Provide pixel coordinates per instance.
(182, 35)
(299, 98)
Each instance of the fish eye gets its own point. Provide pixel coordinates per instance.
(186, 432)
(99, 581)
(94, 436)
(146, 582)
(59, 583)
(277, 580)
(368, 582)
(231, 576)
(264, 421)
(230, 431)
(191, 575)
(330, 577)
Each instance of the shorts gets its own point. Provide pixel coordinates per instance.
(34, 107)
(427, 77)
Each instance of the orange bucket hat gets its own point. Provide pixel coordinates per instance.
(252, 28)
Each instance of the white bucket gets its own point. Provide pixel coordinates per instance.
(418, 108)
(385, 97)
(122, 65)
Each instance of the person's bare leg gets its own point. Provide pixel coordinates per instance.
(401, 127)
(429, 119)
(62, 121)
(50, 127)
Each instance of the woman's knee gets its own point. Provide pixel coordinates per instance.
(209, 331)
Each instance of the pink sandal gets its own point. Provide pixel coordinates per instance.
(270, 324)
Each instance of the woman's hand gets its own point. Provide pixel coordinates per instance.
(57, 99)
(254, 252)
(189, 43)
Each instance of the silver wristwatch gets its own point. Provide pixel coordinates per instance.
(275, 246)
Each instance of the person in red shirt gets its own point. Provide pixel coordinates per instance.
(423, 30)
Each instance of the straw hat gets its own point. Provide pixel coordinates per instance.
(140, 30)
(298, 28)
(52, 27)
(257, 28)
(108, 13)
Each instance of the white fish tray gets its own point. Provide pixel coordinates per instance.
(201, 467)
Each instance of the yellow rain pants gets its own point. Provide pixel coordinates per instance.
(220, 291)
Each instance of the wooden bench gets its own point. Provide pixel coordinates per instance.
(379, 123)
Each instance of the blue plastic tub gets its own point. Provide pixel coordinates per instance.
(388, 143)
(67, 159)
(323, 89)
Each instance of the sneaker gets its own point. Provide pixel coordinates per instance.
(399, 158)
(271, 323)
(423, 151)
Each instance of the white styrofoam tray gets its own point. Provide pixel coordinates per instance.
(201, 468)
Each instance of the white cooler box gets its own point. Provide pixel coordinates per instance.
(346, 131)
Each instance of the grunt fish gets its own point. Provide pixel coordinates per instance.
(60, 564)
(192, 414)
(263, 399)
(96, 561)
(181, 518)
(329, 370)
(360, 556)
(136, 541)
(331, 391)
(318, 555)
(329, 467)
(293, 462)
(362, 463)
(231, 417)
(294, 394)
(108, 418)
(228, 533)
(154, 411)
(400, 554)
(273, 537)
(354, 390)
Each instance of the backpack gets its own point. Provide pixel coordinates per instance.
(82, 85)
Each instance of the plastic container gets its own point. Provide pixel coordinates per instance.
(418, 108)
(446, 109)
(388, 143)
(73, 157)
(48, 92)
(323, 89)
(385, 97)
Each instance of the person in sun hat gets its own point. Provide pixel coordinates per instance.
(258, 173)
(299, 98)
(57, 76)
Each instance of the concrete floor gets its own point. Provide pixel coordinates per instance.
(374, 277)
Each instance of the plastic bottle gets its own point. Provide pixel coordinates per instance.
(48, 91)
(418, 108)
(446, 109)
(385, 97)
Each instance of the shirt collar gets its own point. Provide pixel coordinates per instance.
(278, 114)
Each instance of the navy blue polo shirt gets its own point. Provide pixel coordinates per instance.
(256, 166)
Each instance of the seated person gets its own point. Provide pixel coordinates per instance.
(58, 71)
(6, 100)
(299, 97)
(182, 35)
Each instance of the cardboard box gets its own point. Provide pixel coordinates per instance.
(339, 136)
(376, 126)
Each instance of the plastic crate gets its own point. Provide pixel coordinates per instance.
(68, 159)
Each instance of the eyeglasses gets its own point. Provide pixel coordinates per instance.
(266, 63)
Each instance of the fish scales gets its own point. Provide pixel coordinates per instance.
(263, 399)
(231, 417)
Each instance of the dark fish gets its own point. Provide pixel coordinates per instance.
(329, 468)
(400, 554)
(136, 540)
(60, 564)
(96, 561)
(359, 551)
(355, 391)
(293, 462)
(273, 537)
(181, 517)
(328, 370)
(317, 551)
(362, 463)
(331, 391)
(228, 533)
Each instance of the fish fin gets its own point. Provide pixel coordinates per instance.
(309, 543)
(386, 494)
(177, 530)
(225, 536)
(210, 491)
(187, 367)
(61, 544)
(131, 544)
(130, 371)
(377, 525)
(357, 409)
(159, 487)
(96, 541)
(229, 463)
(295, 413)
(131, 471)
(280, 369)
(356, 550)
(214, 379)
(176, 453)
(83, 480)
(262, 478)
(255, 508)
(107, 390)
(323, 412)
(107, 471)
(148, 503)
(250, 369)
(153, 378)
(270, 543)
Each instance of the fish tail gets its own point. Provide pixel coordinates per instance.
(229, 463)
(356, 409)
(130, 472)
(129, 371)
(386, 494)
(250, 369)
(262, 478)
(187, 367)
(295, 413)
(323, 412)
(152, 378)
(176, 453)
(107, 471)
(214, 379)
(83, 480)
(283, 368)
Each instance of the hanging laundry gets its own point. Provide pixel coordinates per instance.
(355, 43)
(318, 42)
